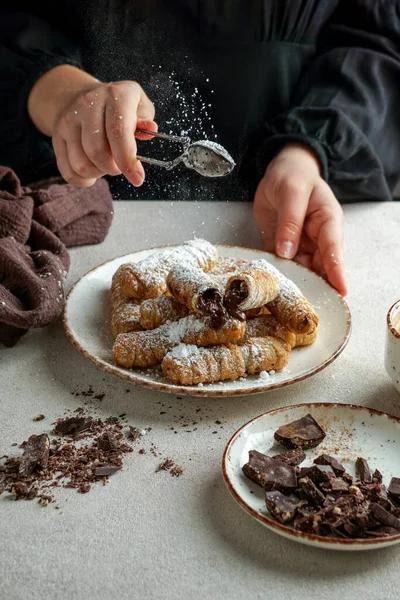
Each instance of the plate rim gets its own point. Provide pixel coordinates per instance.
(288, 532)
(196, 391)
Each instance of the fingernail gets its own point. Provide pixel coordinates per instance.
(285, 249)
(136, 179)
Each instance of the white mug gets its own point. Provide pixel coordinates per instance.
(392, 347)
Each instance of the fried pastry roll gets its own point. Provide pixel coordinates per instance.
(125, 312)
(306, 339)
(267, 325)
(147, 278)
(191, 365)
(252, 288)
(147, 348)
(157, 311)
(197, 291)
(290, 307)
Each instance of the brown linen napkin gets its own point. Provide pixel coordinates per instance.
(37, 223)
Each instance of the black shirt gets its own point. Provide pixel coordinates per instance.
(253, 75)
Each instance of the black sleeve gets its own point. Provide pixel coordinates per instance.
(28, 48)
(346, 106)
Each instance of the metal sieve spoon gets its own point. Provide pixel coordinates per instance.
(205, 157)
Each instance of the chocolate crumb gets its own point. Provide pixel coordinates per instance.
(176, 471)
(134, 433)
(39, 418)
(167, 464)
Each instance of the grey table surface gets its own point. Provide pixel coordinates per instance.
(149, 535)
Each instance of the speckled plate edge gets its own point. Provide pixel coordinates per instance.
(130, 376)
(288, 532)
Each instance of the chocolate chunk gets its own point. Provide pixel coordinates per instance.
(374, 491)
(377, 476)
(394, 488)
(35, 456)
(280, 506)
(311, 491)
(292, 457)
(384, 516)
(134, 433)
(308, 524)
(383, 531)
(106, 471)
(73, 425)
(363, 471)
(334, 485)
(325, 459)
(303, 433)
(352, 530)
(347, 478)
(271, 474)
(318, 473)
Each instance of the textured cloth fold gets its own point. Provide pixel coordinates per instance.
(36, 226)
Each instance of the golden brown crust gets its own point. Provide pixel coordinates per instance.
(125, 312)
(147, 348)
(256, 285)
(267, 325)
(306, 339)
(147, 278)
(158, 311)
(191, 365)
(188, 284)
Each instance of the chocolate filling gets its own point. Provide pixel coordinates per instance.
(210, 303)
(235, 295)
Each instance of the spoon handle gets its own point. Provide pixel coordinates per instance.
(165, 164)
(185, 140)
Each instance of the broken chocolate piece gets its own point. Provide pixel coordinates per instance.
(106, 471)
(384, 516)
(134, 433)
(72, 426)
(292, 457)
(311, 491)
(308, 524)
(271, 474)
(377, 476)
(280, 506)
(383, 531)
(318, 473)
(363, 471)
(394, 488)
(334, 485)
(325, 459)
(35, 456)
(303, 433)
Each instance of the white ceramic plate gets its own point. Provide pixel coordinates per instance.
(351, 431)
(87, 324)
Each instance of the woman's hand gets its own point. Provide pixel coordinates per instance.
(92, 124)
(298, 215)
